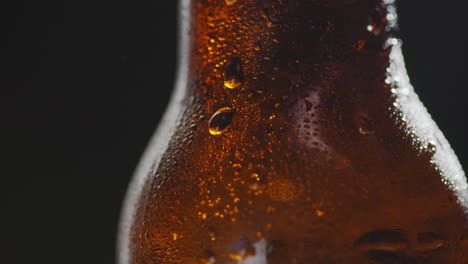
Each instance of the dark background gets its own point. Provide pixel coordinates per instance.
(85, 85)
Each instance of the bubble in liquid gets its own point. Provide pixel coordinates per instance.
(241, 249)
(220, 121)
(233, 73)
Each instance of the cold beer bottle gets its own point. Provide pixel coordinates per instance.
(295, 137)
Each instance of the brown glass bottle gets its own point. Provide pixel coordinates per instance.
(295, 137)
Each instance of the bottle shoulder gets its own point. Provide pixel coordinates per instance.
(363, 178)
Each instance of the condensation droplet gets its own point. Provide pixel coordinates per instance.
(340, 164)
(377, 22)
(255, 183)
(269, 18)
(383, 240)
(210, 260)
(212, 236)
(431, 147)
(464, 241)
(255, 177)
(231, 2)
(360, 44)
(220, 121)
(308, 104)
(364, 124)
(209, 257)
(233, 73)
(429, 241)
(241, 249)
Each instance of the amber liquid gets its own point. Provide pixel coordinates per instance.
(299, 141)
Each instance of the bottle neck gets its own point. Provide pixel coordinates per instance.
(248, 44)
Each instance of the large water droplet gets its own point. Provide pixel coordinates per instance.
(241, 249)
(233, 73)
(220, 121)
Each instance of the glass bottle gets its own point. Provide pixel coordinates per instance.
(294, 136)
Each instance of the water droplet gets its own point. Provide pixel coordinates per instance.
(377, 22)
(212, 236)
(210, 260)
(431, 147)
(429, 241)
(253, 186)
(209, 257)
(319, 213)
(233, 73)
(360, 44)
(365, 125)
(269, 18)
(241, 249)
(231, 2)
(220, 121)
(308, 104)
(383, 240)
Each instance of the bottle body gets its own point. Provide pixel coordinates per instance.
(295, 137)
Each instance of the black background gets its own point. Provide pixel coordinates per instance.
(85, 85)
